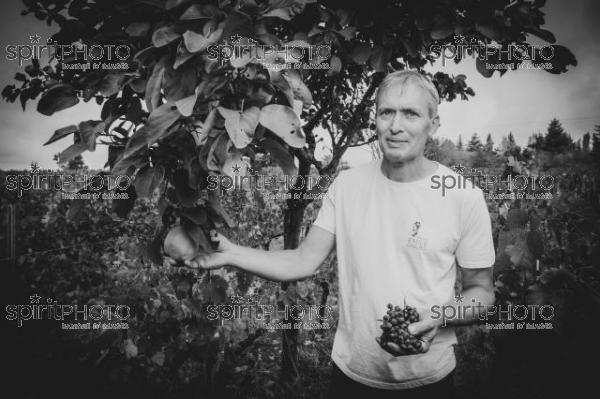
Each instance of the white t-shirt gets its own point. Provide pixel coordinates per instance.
(399, 241)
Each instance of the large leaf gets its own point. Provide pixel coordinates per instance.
(122, 206)
(218, 153)
(137, 29)
(335, 66)
(235, 165)
(204, 128)
(88, 131)
(542, 34)
(111, 84)
(298, 87)
(360, 53)
(71, 152)
(442, 32)
(379, 58)
(197, 214)
(179, 83)
(491, 31)
(201, 11)
(186, 105)
(285, 9)
(127, 166)
(281, 156)
(155, 128)
(57, 98)
(152, 96)
(482, 68)
(284, 122)
(197, 235)
(237, 23)
(240, 125)
(196, 42)
(163, 36)
(61, 133)
(562, 58)
(147, 180)
(186, 195)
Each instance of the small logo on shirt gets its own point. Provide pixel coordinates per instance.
(414, 240)
(415, 228)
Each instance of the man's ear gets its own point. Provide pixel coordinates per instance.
(435, 125)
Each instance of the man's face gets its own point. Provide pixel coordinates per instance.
(403, 122)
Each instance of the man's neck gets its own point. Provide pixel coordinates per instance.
(405, 172)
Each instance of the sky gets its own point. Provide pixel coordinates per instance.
(522, 102)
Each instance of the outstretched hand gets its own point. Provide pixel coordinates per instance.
(221, 256)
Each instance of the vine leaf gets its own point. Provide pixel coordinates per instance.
(57, 98)
(240, 125)
(164, 35)
(61, 133)
(284, 122)
(281, 156)
(155, 128)
(196, 42)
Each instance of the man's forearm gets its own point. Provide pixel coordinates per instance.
(474, 302)
(281, 265)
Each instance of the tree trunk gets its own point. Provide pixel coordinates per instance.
(292, 224)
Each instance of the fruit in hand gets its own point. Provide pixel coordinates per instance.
(395, 337)
(179, 245)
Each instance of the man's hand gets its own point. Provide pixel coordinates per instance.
(425, 330)
(219, 258)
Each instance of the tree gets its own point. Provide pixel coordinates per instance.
(489, 143)
(585, 144)
(459, 144)
(596, 142)
(536, 141)
(204, 112)
(76, 163)
(557, 141)
(509, 145)
(474, 144)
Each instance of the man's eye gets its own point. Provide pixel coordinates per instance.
(411, 114)
(386, 112)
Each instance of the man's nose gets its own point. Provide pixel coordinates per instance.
(397, 126)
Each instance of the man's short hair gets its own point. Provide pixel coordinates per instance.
(403, 78)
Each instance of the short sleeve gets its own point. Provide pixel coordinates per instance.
(476, 245)
(326, 216)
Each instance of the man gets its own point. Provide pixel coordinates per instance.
(397, 240)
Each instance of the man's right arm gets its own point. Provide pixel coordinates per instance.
(280, 265)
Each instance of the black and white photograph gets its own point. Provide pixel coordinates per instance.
(299, 199)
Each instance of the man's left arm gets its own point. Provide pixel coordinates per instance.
(475, 255)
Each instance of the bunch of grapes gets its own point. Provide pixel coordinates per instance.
(395, 334)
